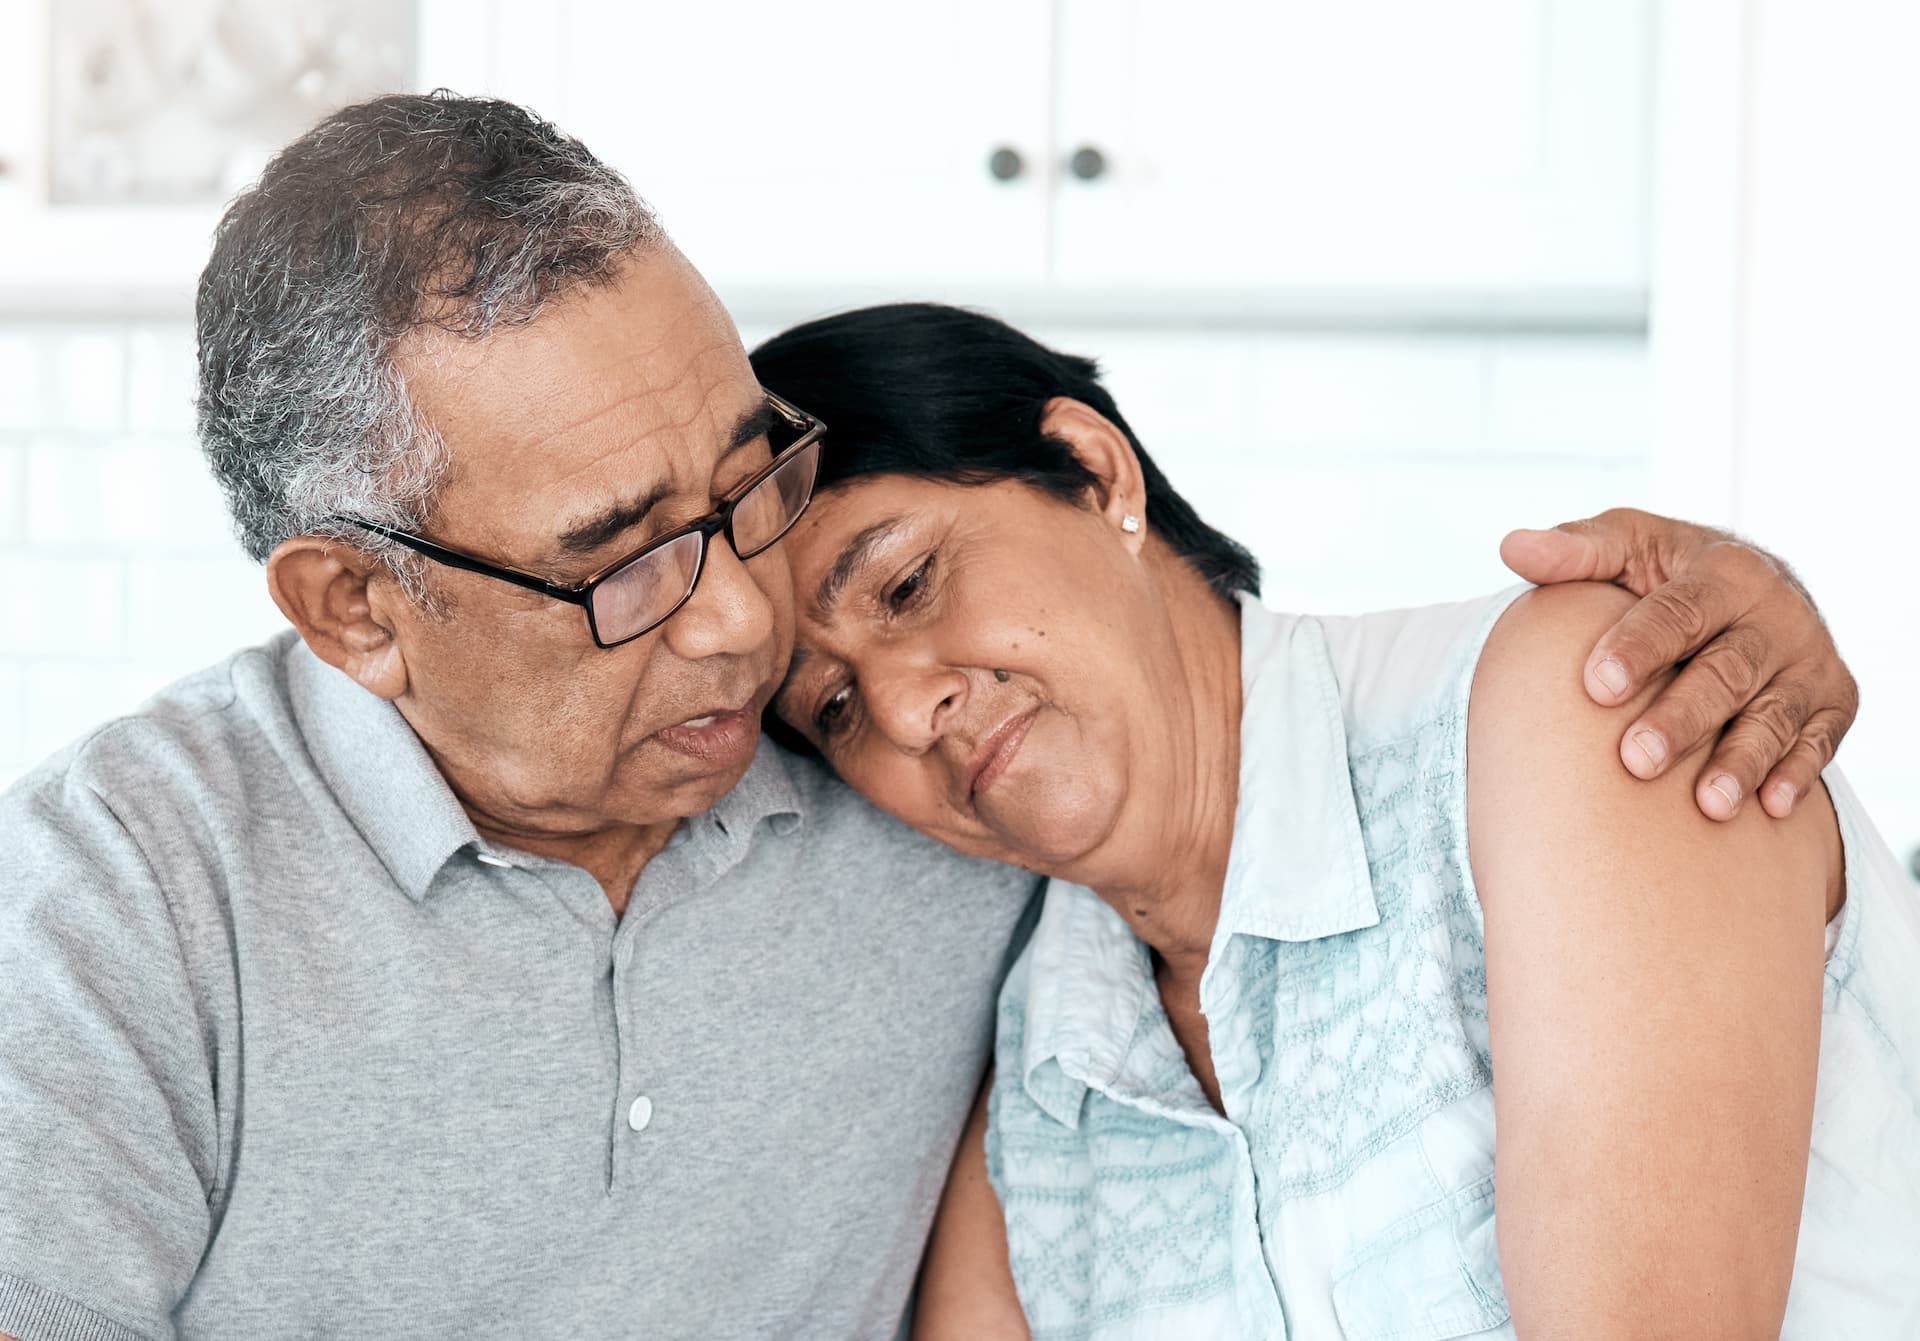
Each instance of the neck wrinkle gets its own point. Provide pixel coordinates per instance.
(613, 851)
(614, 854)
(1175, 906)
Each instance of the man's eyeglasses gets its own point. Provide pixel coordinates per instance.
(637, 594)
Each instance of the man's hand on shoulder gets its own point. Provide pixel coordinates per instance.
(1756, 657)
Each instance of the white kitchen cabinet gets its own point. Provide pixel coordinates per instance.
(839, 140)
(1478, 145)
(1482, 150)
(1252, 161)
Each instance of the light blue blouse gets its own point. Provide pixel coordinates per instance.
(1348, 1191)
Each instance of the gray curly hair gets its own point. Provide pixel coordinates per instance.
(405, 212)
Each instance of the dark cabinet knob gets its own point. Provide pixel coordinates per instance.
(1087, 163)
(1913, 862)
(1006, 164)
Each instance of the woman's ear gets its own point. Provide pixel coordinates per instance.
(1099, 445)
(326, 589)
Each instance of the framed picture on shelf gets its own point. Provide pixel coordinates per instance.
(182, 101)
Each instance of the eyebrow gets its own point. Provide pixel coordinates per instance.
(588, 536)
(858, 551)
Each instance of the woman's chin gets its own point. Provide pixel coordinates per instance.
(1047, 823)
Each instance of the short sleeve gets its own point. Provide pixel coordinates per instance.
(108, 1136)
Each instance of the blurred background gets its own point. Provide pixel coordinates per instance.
(1376, 280)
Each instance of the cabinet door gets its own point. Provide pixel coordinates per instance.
(1475, 146)
(838, 141)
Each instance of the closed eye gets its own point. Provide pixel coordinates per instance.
(838, 712)
(911, 587)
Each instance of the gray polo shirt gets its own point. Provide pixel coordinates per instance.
(287, 1049)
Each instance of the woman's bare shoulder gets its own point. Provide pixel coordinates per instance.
(1543, 757)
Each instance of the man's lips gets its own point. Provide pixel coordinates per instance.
(719, 735)
(997, 751)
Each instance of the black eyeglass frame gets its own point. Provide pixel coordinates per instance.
(581, 594)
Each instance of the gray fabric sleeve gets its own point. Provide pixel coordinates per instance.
(108, 1134)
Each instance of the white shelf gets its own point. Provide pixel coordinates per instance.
(72, 261)
(91, 263)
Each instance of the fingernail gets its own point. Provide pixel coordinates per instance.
(1612, 677)
(1650, 748)
(1729, 793)
(1783, 796)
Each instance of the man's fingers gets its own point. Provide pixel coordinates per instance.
(1596, 549)
(1794, 776)
(1703, 697)
(1665, 629)
(1735, 620)
(1546, 557)
(1759, 738)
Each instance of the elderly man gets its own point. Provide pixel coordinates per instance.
(463, 960)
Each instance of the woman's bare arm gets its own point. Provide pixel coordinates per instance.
(966, 1286)
(1654, 987)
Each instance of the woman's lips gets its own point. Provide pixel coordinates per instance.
(719, 738)
(997, 751)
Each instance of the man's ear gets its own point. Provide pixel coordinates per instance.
(1104, 450)
(334, 595)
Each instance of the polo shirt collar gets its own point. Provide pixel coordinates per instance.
(379, 772)
(387, 783)
(766, 793)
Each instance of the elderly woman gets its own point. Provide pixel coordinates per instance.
(1298, 962)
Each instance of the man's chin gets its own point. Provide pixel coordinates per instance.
(696, 784)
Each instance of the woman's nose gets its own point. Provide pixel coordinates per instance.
(913, 704)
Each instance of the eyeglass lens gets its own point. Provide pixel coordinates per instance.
(635, 598)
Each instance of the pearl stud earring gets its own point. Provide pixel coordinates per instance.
(1129, 523)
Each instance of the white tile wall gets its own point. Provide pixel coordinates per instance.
(1365, 470)
(160, 377)
(118, 571)
(13, 718)
(13, 492)
(1370, 471)
(20, 380)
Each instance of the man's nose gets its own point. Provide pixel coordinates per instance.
(913, 702)
(729, 613)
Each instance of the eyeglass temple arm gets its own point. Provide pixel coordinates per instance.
(453, 558)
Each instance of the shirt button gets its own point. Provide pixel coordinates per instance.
(640, 1114)
(487, 858)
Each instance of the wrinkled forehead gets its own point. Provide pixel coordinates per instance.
(614, 391)
(646, 353)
